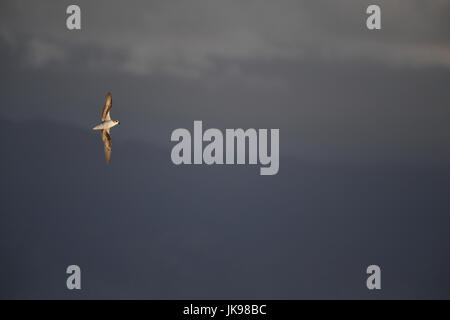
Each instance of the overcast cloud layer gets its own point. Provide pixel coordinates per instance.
(310, 68)
(187, 38)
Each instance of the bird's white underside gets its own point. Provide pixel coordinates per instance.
(106, 125)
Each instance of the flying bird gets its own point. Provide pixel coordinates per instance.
(105, 126)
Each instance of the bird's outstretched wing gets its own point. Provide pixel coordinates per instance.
(107, 108)
(107, 142)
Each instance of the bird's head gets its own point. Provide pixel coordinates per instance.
(116, 122)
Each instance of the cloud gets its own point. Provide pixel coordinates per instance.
(189, 39)
(41, 53)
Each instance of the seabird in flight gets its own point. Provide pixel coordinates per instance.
(107, 124)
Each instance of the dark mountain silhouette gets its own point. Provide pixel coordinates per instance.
(145, 228)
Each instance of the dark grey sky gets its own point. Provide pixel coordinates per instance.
(364, 144)
(310, 68)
